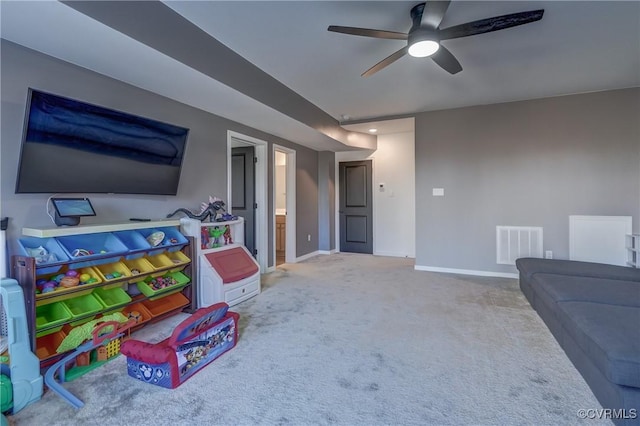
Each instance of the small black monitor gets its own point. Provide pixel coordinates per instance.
(70, 210)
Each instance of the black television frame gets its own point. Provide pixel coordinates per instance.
(97, 178)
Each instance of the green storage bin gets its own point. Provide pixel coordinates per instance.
(52, 314)
(111, 298)
(146, 286)
(81, 306)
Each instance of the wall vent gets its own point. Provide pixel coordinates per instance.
(517, 241)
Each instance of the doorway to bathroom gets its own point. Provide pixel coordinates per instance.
(284, 190)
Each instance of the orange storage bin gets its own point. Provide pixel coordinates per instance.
(138, 312)
(46, 345)
(162, 306)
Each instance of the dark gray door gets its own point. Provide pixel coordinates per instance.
(356, 210)
(243, 192)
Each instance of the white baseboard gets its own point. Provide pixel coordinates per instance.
(392, 254)
(466, 272)
(307, 256)
(334, 251)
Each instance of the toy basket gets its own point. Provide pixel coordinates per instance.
(179, 259)
(50, 315)
(161, 264)
(82, 306)
(45, 263)
(111, 299)
(173, 239)
(139, 269)
(92, 249)
(136, 243)
(113, 271)
(59, 292)
(46, 345)
(154, 287)
(165, 304)
(137, 312)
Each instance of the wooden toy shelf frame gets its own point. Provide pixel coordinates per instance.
(24, 270)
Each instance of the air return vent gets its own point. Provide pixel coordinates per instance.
(517, 241)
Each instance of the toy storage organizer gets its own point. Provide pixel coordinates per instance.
(226, 270)
(115, 269)
(229, 275)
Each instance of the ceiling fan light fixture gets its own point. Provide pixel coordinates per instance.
(423, 42)
(423, 48)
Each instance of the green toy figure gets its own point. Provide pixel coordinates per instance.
(215, 233)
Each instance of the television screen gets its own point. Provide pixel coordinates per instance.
(73, 147)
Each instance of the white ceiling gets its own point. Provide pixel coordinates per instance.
(577, 47)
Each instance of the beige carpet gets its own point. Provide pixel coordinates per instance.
(354, 340)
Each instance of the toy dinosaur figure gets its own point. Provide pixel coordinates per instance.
(209, 210)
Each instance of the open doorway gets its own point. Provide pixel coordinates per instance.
(247, 190)
(284, 218)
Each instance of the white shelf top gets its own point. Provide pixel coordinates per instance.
(60, 231)
(228, 222)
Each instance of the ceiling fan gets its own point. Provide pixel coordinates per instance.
(425, 36)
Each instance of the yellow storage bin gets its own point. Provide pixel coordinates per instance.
(113, 271)
(179, 259)
(139, 268)
(89, 278)
(161, 264)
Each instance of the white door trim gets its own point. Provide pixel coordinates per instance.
(261, 192)
(290, 227)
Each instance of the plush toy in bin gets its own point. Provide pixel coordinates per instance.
(194, 343)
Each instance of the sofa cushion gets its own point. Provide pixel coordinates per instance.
(609, 335)
(557, 288)
(529, 266)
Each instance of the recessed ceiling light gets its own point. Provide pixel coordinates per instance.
(373, 130)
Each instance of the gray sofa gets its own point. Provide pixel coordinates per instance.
(593, 311)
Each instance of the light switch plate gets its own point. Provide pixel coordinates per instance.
(438, 192)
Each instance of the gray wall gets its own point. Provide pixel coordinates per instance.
(204, 168)
(530, 163)
(306, 202)
(326, 200)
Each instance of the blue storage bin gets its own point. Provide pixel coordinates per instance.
(45, 264)
(173, 239)
(103, 248)
(135, 242)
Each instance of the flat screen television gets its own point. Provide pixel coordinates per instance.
(69, 146)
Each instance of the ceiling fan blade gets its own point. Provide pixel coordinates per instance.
(446, 60)
(386, 62)
(433, 13)
(366, 32)
(491, 24)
